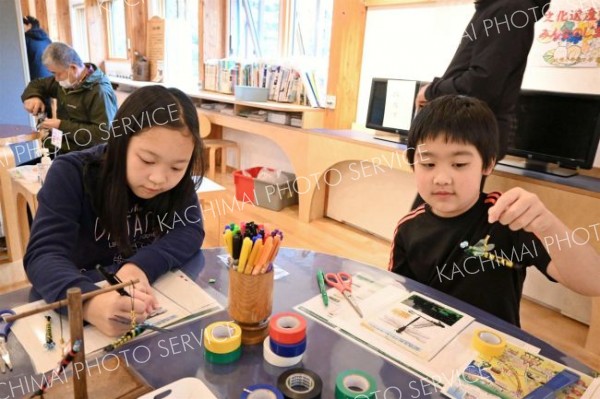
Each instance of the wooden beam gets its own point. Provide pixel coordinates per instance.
(96, 31)
(137, 17)
(345, 58)
(41, 14)
(63, 16)
(25, 8)
(212, 31)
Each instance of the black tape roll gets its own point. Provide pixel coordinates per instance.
(300, 383)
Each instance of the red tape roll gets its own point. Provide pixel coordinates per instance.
(287, 328)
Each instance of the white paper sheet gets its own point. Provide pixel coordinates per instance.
(181, 297)
(448, 356)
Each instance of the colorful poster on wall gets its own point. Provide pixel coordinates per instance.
(569, 34)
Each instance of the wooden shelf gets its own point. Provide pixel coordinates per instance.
(311, 117)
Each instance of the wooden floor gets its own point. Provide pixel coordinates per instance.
(328, 236)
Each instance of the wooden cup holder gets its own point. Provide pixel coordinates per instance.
(251, 304)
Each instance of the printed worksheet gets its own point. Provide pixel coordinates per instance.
(515, 374)
(418, 334)
(180, 299)
(414, 323)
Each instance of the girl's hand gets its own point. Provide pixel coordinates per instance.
(142, 290)
(111, 312)
(519, 209)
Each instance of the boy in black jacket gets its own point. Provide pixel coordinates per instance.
(457, 142)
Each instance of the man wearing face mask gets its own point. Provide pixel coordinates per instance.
(86, 101)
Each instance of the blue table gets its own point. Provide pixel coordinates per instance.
(164, 358)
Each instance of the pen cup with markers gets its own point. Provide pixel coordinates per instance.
(251, 303)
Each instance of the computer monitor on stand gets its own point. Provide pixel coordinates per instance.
(392, 108)
(557, 132)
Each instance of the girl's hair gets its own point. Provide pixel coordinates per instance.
(106, 179)
(459, 119)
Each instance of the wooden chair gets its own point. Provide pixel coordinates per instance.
(13, 155)
(213, 145)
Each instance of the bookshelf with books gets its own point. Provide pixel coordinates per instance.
(311, 118)
(227, 104)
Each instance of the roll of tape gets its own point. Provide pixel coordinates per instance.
(300, 383)
(222, 358)
(276, 360)
(222, 337)
(287, 328)
(288, 350)
(488, 343)
(261, 391)
(351, 384)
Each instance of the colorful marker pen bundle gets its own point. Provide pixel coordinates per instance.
(252, 247)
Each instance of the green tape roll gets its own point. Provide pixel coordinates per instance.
(355, 384)
(222, 358)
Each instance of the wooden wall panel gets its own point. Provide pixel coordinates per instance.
(96, 32)
(63, 14)
(25, 8)
(212, 31)
(41, 13)
(137, 16)
(345, 58)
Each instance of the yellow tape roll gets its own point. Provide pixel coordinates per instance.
(488, 343)
(222, 337)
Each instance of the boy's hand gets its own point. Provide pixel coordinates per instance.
(420, 99)
(519, 209)
(111, 313)
(142, 290)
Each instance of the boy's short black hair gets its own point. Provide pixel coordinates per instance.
(460, 119)
(29, 20)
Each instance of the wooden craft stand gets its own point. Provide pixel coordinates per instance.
(111, 379)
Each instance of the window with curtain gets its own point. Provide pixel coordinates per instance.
(310, 30)
(282, 30)
(181, 38)
(79, 30)
(254, 27)
(116, 28)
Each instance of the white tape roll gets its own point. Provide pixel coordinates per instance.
(277, 360)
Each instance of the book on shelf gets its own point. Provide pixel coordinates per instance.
(281, 118)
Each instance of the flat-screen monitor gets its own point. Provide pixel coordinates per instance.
(557, 132)
(392, 108)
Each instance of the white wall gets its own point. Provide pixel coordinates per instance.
(418, 41)
(257, 151)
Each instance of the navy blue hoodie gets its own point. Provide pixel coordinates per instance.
(67, 238)
(37, 40)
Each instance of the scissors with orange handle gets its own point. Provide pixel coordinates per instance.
(343, 282)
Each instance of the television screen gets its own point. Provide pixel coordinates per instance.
(562, 128)
(392, 105)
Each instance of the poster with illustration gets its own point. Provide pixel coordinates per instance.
(568, 35)
(514, 375)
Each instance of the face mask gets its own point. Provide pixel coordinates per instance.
(65, 83)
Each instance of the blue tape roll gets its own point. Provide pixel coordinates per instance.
(288, 350)
(261, 391)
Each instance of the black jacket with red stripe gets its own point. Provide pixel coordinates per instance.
(427, 249)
